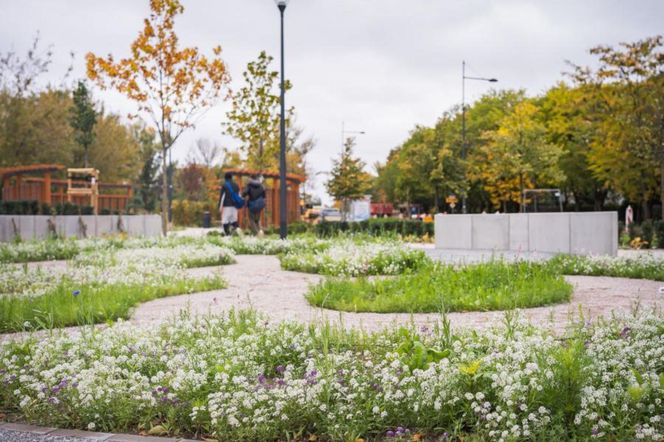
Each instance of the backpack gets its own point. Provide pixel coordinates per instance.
(238, 201)
(256, 205)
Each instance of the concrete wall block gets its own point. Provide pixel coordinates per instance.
(518, 234)
(26, 226)
(549, 232)
(41, 226)
(134, 225)
(453, 231)
(594, 233)
(490, 232)
(152, 225)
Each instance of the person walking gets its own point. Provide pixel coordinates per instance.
(255, 194)
(228, 204)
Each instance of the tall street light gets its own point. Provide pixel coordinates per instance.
(283, 223)
(344, 132)
(464, 147)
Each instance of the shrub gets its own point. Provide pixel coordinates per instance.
(190, 213)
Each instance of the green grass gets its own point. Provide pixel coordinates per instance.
(436, 288)
(94, 304)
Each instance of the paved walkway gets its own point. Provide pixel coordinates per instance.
(258, 282)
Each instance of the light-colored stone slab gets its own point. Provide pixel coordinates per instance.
(549, 232)
(25, 428)
(518, 232)
(453, 231)
(490, 232)
(585, 229)
(82, 434)
(137, 438)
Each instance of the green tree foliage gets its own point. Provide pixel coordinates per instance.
(147, 194)
(628, 152)
(348, 180)
(572, 116)
(254, 116)
(519, 156)
(83, 119)
(254, 121)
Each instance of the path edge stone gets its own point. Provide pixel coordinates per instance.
(81, 434)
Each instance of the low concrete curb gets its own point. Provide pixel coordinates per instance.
(90, 435)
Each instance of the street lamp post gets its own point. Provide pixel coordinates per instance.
(344, 132)
(464, 147)
(283, 220)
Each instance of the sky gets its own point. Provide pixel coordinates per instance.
(378, 66)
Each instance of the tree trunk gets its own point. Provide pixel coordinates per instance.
(164, 193)
(661, 186)
(646, 210)
(522, 209)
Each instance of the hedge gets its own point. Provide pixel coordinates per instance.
(376, 227)
(37, 208)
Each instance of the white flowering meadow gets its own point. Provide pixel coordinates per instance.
(239, 377)
(645, 266)
(251, 245)
(25, 251)
(349, 257)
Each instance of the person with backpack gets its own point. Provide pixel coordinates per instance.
(255, 194)
(229, 203)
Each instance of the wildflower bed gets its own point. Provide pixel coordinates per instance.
(495, 285)
(644, 266)
(239, 377)
(103, 283)
(354, 257)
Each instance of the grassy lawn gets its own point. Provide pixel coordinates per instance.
(436, 288)
(67, 304)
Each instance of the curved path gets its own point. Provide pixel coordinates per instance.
(258, 282)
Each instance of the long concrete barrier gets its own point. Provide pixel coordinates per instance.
(85, 226)
(579, 233)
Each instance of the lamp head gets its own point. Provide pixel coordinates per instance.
(493, 80)
(281, 4)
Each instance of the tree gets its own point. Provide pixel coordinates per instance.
(172, 86)
(572, 117)
(205, 152)
(630, 83)
(83, 119)
(518, 156)
(147, 194)
(348, 180)
(255, 114)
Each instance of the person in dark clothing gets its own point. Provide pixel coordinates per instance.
(255, 194)
(227, 210)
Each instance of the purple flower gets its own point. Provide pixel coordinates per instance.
(76, 292)
(625, 332)
(400, 431)
(389, 433)
(280, 369)
(261, 378)
(445, 436)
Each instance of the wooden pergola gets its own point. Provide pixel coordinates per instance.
(270, 216)
(35, 182)
(25, 188)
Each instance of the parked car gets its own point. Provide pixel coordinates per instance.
(330, 214)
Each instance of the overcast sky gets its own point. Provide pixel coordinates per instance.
(382, 66)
